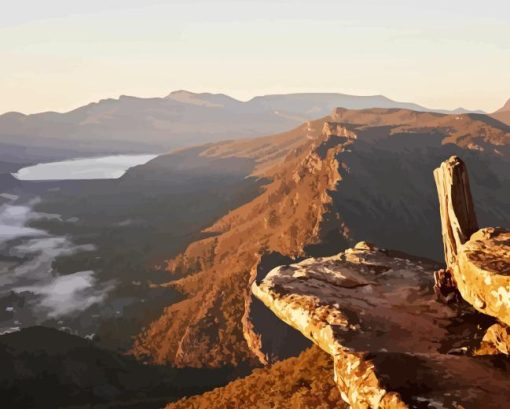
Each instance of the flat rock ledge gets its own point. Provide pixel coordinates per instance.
(393, 344)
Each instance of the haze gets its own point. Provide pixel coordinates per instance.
(57, 55)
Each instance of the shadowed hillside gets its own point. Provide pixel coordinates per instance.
(130, 225)
(46, 368)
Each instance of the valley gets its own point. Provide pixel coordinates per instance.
(164, 256)
(123, 229)
(254, 204)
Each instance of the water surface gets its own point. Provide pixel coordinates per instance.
(105, 167)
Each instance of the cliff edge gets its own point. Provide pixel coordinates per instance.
(375, 312)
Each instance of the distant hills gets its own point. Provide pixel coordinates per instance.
(304, 105)
(146, 125)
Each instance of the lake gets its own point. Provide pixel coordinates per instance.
(105, 167)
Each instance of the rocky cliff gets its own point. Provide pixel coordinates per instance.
(375, 313)
(393, 344)
(329, 183)
(210, 327)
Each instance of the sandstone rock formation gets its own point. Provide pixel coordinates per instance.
(393, 345)
(479, 261)
(458, 218)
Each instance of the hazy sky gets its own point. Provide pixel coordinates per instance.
(59, 54)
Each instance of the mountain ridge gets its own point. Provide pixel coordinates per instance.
(181, 95)
(330, 182)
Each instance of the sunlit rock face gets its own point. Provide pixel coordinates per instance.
(479, 260)
(483, 272)
(393, 344)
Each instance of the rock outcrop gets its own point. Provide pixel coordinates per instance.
(458, 218)
(374, 311)
(479, 261)
(393, 345)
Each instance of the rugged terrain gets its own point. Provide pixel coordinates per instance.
(401, 334)
(224, 214)
(353, 175)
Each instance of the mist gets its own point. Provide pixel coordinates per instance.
(34, 251)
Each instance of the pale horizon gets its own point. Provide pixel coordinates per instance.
(58, 56)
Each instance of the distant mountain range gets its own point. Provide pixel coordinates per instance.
(131, 125)
(306, 105)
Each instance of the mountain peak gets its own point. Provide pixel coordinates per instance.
(506, 107)
(202, 99)
(181, 92)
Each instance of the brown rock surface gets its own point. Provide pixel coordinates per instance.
(495, 341)
(478, 260)
(458, 218)
(393, 345)
(483, 272)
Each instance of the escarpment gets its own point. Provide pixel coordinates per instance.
(210, 327)
(354, 175)
(375, 312)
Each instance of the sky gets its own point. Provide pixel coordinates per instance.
(60, 54)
